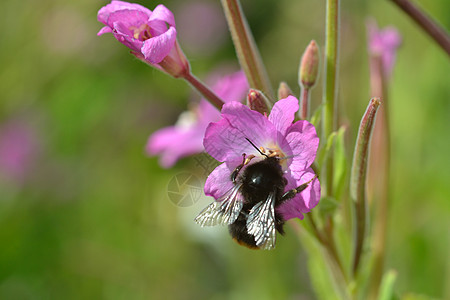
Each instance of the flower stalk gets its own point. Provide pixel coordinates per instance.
(246, 49)
(331, 65)
(304, 103)
(330, 85)
(204, 90)
(432, 28)
(382, 48)
(378, 177)
(358, 178)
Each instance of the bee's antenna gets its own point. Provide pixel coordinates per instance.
(256, 148)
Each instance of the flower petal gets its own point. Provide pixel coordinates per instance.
(124, 38)
(104, 30)
(162, 13)
(122, 22)
(157, 48)
(104, 12)
(128, 19)
(219, 181)
(173, 143)
(283, 113)
(301, 142)
(233, 87)
(226, 139)
(303, 202)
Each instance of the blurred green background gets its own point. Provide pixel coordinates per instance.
(88, 215)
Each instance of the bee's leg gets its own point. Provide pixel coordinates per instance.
(245, 160)
(291, 193)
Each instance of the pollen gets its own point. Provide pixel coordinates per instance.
(274, 150)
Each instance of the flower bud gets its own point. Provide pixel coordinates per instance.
(309, 66)
(284, 91)
(257, 101)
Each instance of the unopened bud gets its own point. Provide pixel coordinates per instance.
(309, 66)
(256, 100)
(284, 91)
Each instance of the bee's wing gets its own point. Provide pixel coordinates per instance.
(261, 223)
(223, 211)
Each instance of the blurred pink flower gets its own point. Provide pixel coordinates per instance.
(226, 141)
(18, 150)
(151, 36)
(385, 43)
(186, 136)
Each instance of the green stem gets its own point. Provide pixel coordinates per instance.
(204, 90)
(329, 257)
(330, 90)
(428, 24)
(246, 49)
(327, 242)
(331, 65)
(315, 229)
(358, 178)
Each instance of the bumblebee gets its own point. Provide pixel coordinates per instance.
(249, 207)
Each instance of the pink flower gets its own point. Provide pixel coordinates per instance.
(385, 44)
(186, 137)
(295, 143)
(18, 150)
(151, 36)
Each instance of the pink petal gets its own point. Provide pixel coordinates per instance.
(303, 202)
(233, 87)
(173, 143)
(219, 181)
(105, 29)
(301, 142)
(159, 19)
(162, 13)
(157, 27)
(157, 48)
(128, 19)
(126, 39)
(121, 22)
(283, 113)
(104, 12)
(226, 139)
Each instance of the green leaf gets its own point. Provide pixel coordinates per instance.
(324, 151)
(327, 206)
(411, 296)
(315, 118)
(319, 272)
(387, 285)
